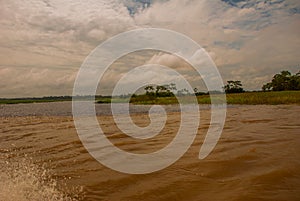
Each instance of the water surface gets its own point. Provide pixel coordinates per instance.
(257, 157)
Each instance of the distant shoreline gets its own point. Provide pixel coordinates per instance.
(247, 98)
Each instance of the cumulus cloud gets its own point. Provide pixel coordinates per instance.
(248, 35)
(36, 82)
(46, 41)
(53, 36)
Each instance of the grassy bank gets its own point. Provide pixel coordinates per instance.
(28, 100)
(101, 99)
(268, 98)
(247, 98)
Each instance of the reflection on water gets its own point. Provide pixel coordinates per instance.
(257, 157)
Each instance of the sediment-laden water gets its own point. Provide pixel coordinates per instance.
(257, 157)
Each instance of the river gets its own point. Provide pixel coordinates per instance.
(256, 158)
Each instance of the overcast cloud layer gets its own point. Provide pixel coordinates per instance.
(43, 43)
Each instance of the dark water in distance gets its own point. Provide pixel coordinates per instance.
(257, 157)
(65, 109)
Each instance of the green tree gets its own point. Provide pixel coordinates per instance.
(164, 91)
(283, 81)
(234, 87)
(161, 90)
(149, 90)
(280, 81)
(267, 87)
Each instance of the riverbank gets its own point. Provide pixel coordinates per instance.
(247, 98)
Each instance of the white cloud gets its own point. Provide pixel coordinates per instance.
(250, 41)
(264, 34)
(36, 82)
(53, 35)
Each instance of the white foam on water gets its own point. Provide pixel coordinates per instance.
(24, 181)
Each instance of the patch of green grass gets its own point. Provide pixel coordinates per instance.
(35, 99)
(17, 101)
(152, 100)
(247, 98)
(265, 98)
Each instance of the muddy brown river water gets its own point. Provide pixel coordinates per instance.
(256, 158)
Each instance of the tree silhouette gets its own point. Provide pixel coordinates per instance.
(149, 90)
(160, 90)
(234, 87)
(283, 81)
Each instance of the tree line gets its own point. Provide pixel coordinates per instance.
(282, 81)
(166, 90)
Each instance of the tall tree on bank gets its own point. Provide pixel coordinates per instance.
(234, 87)
(283, 81)
(161, 90)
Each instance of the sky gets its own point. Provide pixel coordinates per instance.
(44, 42)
